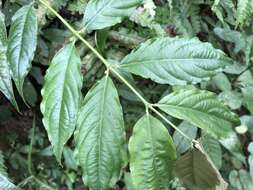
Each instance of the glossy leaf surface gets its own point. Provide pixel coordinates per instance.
(244, 11)
(5, 183)
(3, 33)
(22, 43)
(100, 136)
(61, 97)
(100, 14)
(200, 108)
(213, 149)
(5, 74)
(175, 61)
(152, 154)
(241, 180)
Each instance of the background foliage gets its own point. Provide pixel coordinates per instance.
(26, 156)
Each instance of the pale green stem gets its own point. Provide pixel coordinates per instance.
(107, 64)
(170, 123)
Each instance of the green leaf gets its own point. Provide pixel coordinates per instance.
(241, 41)
(201, 108)
(175, 61)
(152, 154)
(61, 97)
(246, 83)
(217, 10)
(2, 166)
(250, 161)
(244, 11)
(3, 33)
(247, 97)
(101, 37)
(128, 182)
(222, 82)
(246, 79)
(100, 14)
(241, 180)
(69, 159)
(232, 99)
(182, 144)
(5, 74)
(100, 136)
(5, 184)
(238, 38)
(233, 145)
(22, 44)
(247, 121)
(250, 158)
(213, 149)
(195, 169)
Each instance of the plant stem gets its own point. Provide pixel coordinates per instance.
(25, 181)
(76, 33)
(112, 69)
(170, 123)
(145, 102)
(29, 160)
(107, 64)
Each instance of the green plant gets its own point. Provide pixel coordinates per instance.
(104, 143)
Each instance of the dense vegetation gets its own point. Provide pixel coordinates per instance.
(126, 94)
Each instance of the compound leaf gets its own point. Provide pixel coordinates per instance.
(61, 97)
(175, 61)
(22, 44)
(152, 154)
(100, 14)
(100, 136)
(201, 108)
